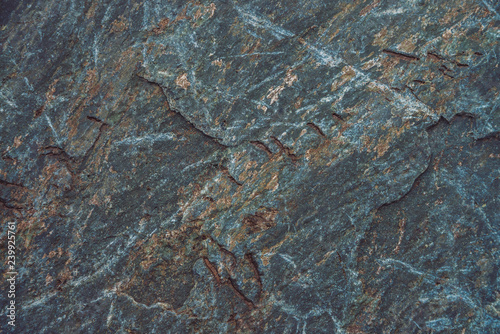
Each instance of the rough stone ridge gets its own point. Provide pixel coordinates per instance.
(228, 166)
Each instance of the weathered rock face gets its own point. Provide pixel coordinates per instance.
(251, 167)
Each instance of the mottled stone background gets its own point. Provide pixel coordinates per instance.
(298, 166)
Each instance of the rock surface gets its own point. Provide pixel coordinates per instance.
(253, 166)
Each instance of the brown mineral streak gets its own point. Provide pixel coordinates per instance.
(39, 111)
(212, 270)
(434, 57)
(255, 268)
(119, 25)
(286, 150)
(316, 128)
(262, 147)
(162, 25)
(368, 8)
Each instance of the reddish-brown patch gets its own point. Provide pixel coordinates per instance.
(368, 8)
(262, 220)
(119, 25)
(162, 26)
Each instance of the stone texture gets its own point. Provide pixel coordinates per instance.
(251, 167)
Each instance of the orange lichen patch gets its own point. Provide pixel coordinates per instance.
(381, 38)
(203, 10)
(52, 89)
(383, 146)
(91, 82)
(383, 143)
(298, 102)
(63, 277)
(182, 81)
(389, 69)
(370, 301)
(91, 11)
(446, 97)
(95, 200)
(237, 156)
(50, 173)
(450, 15)
(366, 140)
(248, 49)
(198, 14)
(380, 88)
(171, 235)
(347, 74)
(182, 16)
(324, 154)
(248, 170)
(273, 184)
(222, 203)
(267, 179)
(94, 164)
(119, 25)
(409, 44)
(447, 35)
(147, 262)
(368, 8)
(126, 58)
(188, 195)
(162, 25)
(262, 107)
(48, 279)
(345, 9)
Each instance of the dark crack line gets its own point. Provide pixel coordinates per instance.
(262, 146)
(288, 151)
(492, 136)
(11, 184)
(228, 281)
(317, 129)
(255, 268)
(401, 55)
(413, 186)
(221, 248)
(86, 156)
(225, 171)
(6, 204)
(62, 156)
(203, 133)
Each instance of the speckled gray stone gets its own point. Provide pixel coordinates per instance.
(251, 166)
